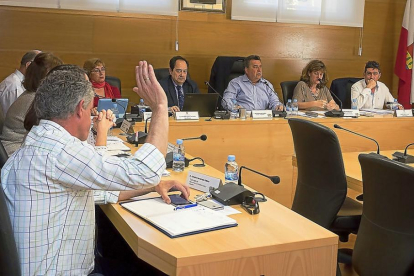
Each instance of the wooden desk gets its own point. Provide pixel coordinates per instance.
(275, 242)
(267, 145)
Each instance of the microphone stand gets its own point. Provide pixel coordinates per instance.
(218, 114)
(339, 127)
(275, 113)
(403, 157)
(334, 113)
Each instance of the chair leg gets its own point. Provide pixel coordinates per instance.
(345, 256)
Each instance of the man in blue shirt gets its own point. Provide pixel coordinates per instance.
(251, 91)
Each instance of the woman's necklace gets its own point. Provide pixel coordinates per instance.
(315, 93)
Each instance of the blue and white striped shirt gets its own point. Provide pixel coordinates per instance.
(49, 185)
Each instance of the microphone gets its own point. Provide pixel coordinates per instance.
(403, 157)
(232, 193)
(275, 179)
(275, 112)
(202, 138)
(334, 113)
(218, 114)
(142, 136)
(339, 127)
(169, 156)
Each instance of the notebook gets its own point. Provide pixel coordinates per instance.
(204, 103)
(178, 223)
(114, 104)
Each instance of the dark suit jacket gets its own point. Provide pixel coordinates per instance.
(189, 86)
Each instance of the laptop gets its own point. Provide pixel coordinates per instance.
(204, 103)
(114, 104)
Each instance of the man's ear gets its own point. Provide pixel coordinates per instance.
(169, 70)
(80, 111)
(28, 63)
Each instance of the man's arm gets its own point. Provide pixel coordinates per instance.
(360, 93)
(229, 95)
(153, 94)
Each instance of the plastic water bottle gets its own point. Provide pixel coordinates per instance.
(289, 107)
(234, 110)
(395, 105)
(231, 170)
(141, 107)
(295, 107)
(178, 156)
(354, 104)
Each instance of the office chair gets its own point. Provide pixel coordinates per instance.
(237, 69)
(385, 241)
(321, 186)
(114, 81)
(287, 89)
(161, 73)
(341, 87)
(9, 259)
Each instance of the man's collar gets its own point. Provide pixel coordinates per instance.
(246, 79)
(19, 74)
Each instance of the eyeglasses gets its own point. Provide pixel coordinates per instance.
(97, 70)
(372, 73)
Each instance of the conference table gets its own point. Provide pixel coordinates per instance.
(277, 241)
(267, 145)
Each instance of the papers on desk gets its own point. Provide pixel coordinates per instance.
(178, 223)
(378, 111)
(321, 114)
(116, 147)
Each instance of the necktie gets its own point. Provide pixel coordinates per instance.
(180, 97)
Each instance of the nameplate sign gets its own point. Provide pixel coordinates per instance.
(202, 182)
(262, 114)
(404, 113)
(351, 113)
(187, 115)
(147, 115)
(125, 126)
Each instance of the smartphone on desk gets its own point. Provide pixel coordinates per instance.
(177, 200)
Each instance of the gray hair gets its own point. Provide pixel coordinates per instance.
(60, 92)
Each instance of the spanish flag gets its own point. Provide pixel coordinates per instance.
(404, 62)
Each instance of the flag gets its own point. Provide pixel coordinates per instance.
(404, 62)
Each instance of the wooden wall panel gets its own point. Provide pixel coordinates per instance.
(121, 40)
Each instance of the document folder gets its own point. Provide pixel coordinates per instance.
(178, 223)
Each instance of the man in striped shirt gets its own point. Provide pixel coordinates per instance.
(49, 181)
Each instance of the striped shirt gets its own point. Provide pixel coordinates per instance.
(49, 185)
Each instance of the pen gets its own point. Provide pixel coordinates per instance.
(185, 206)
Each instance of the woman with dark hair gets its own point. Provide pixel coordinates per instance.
(311, 92)
(14, 132)
(95, 69)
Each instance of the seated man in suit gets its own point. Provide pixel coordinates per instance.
(369, 92)
(177, 84)
(251, 91)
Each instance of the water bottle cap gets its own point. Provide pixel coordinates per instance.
(395, 100)
(141, 100)
(231, 158)
(295, 100)
(179, 141)
(289, 100)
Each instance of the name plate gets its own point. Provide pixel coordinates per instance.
(147, 115)
(202, 182)
(187, 115)
(350, 112)
(125, 126)
(262, 114)
(403, 113)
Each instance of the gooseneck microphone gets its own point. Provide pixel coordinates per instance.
(218, 114)
(282, 113)
(334, 113)
(141, 137)
(403, 157)
(275, 179)
(339, 127)
(202, 138)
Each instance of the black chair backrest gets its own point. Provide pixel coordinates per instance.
(237, 69)
(114, 81)
(321, 186)
(219, 73)
(161, 73)
(342, 88)
(9, 258)
(287, 89)
(385, 241)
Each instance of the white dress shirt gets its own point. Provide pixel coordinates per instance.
(11, 88)
(49, 185)
(368, 100)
